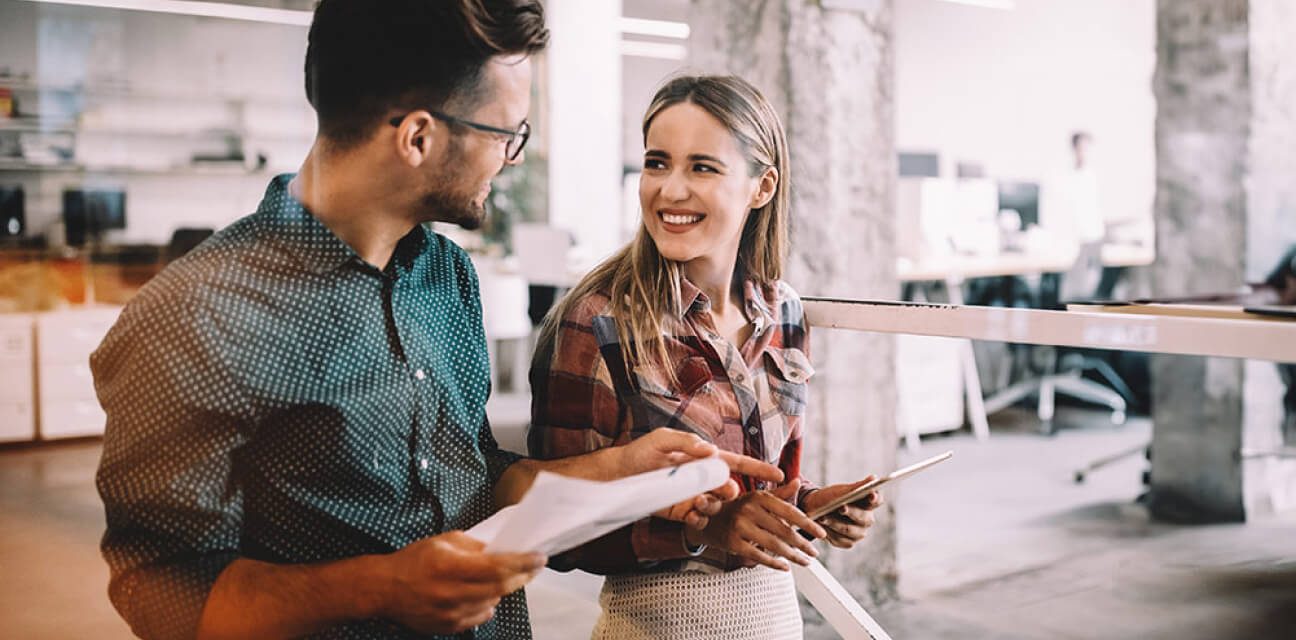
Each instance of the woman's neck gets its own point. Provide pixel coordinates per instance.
(717, 282)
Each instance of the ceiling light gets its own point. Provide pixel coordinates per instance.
(657, 28)
(204, 9)
(987, 4)
(661, 50)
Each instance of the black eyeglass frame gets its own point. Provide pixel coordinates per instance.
(522, 134)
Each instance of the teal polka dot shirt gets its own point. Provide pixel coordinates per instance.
(271, 396)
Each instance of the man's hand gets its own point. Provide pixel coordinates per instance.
(655, 450)
(446, 583)
(761, 526)
(849, 524)
(669, 447)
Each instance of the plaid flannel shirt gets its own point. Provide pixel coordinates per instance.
(748, 400)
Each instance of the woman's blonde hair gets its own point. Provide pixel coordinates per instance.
(644, 286)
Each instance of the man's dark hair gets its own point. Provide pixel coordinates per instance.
(367, 57)
(1077, 137)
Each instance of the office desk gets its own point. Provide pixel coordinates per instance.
(954, 269)
(959, 267)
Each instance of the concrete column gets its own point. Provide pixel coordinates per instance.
(584, 122)
(1225, 209)
(830, 74)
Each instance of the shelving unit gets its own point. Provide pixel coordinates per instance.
(212, 169)
(105, 127)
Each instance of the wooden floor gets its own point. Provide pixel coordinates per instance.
(1000, 544)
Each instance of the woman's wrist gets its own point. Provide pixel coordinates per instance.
(693, 542)
(804, 499)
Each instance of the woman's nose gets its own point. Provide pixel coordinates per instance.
(675, 187)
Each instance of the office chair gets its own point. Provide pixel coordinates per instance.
(184, 240)
(1063, 369)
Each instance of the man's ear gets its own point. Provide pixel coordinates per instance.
(416, 138)
(765, 188)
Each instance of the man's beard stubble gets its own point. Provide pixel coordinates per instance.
(444, 202)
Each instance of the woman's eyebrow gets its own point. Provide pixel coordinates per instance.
(704, 157)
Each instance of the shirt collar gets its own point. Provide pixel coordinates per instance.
(691, 298)
(756, 302)
(315, 245)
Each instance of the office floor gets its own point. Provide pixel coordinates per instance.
(1000, 544)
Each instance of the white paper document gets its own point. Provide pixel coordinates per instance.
(559, 513)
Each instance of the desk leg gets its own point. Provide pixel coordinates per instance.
(971, 379)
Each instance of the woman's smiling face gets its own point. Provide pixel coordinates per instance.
(696, 189)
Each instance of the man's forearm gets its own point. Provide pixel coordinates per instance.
(253, 599)
(517, 478)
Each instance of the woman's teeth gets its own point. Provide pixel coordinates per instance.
(675, 218)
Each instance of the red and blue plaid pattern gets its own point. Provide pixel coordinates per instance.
(749, 399)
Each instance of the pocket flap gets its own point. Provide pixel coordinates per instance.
(791, 364)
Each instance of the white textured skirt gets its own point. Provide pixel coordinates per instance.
(755, 603)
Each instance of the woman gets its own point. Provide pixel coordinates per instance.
(689, 327)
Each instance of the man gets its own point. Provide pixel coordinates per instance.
(1071, 209)
(296, 428)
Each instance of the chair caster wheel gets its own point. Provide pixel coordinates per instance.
(1118, 417)
(1046, 428)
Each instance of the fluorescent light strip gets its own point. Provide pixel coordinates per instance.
(656, 28)
(661, 50)
(204, 9)
(987, 4)
(635, 26)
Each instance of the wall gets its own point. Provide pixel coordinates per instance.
(1007, 88)
(584, 138)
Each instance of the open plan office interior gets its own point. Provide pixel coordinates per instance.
(1056, 237)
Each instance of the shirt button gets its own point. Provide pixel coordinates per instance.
(419, 374)
(752, 431)
(423, 463)
(741, 378)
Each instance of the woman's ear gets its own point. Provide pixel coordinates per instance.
(765, 188)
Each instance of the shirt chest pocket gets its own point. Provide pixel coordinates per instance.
(688, 404)
(788, 372)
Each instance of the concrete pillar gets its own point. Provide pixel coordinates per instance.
(830, 74)
(583, 122)
(1225, 210)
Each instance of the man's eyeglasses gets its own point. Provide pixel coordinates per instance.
(516, 139)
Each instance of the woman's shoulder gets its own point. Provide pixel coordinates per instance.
(786, 303)
(587, 307)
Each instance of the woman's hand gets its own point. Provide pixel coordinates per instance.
(697, 511)
(761, 526)
(848, 524)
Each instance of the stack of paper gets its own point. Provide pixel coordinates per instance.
(559, 513)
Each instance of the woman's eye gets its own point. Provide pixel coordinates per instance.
(704, 168)
(654, 164)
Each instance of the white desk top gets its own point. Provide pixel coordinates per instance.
(1014, 264)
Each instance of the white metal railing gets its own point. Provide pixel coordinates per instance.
(1261, 339)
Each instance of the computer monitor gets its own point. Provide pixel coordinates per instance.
(89, 213)
(13, 211)
(1022, 197)
(918, 164)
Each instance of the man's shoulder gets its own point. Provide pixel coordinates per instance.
(186, 286)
